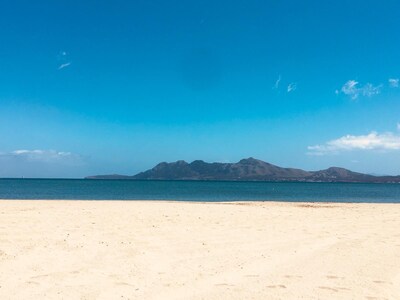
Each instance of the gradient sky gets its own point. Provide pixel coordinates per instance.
(100, 87)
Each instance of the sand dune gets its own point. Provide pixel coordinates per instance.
(171, 250)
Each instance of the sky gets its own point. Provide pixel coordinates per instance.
(105, 87)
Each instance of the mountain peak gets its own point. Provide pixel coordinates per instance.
(197, 161)
(337, 169)
(250, 160)
(248, 169)
(180, 162)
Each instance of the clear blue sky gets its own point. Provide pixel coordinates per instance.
(94, 87)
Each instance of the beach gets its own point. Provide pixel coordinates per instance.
(57, 249)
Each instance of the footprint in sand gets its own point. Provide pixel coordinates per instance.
(328, 288)
(293, 276)
(334, 277)
(123, 283)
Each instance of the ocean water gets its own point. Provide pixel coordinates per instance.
(197, 190)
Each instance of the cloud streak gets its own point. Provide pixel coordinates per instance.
(291, 87)
(281, 85)
(370, 90)
(47, 156)
(371, 141)
(352, 89)
(62, 66)
(394, 82)
(276, 86)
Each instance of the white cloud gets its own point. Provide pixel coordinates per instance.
(291, 87)
(276, 86)
(371, 90)
(41, 156)
(42, 164)
(371, 141)
(351, 89)
(62, 66)
(63, 60)
(394, 82)
(398, 126)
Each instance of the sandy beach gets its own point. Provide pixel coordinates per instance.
(183, 250)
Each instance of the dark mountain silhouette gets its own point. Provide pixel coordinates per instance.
(246, 169)
(249, 169)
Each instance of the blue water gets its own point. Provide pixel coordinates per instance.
(197, 190)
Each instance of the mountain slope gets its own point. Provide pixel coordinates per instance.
(247, 169)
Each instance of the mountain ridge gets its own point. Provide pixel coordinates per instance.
(249, 169)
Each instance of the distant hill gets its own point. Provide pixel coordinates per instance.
(112, 176)
(249, 169)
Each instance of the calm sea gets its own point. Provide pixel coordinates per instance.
(196, 190)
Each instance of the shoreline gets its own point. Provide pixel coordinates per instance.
(152, 249)
(239, 202)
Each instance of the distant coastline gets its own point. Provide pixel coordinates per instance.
(249, 169)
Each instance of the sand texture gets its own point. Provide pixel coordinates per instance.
(171, 250)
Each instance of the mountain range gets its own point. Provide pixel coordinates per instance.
(249, 169)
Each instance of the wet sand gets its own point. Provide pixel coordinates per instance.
(182, 250)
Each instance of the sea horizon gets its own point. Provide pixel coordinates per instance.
(198, 190)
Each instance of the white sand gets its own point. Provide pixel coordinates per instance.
(170, 250)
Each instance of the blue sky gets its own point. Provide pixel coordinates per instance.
(99, 87)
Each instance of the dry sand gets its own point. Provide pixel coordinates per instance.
(170, 250)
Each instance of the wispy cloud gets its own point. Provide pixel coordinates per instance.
(48, 156)
(371, 90)
(351, 88)
(282, 85)
(62, 66)
(276, 86)
(291, 87)
(371, 141)
(42, 163)
(394, 82)
(63, 59)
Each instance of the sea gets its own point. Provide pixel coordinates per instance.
(208, 191)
